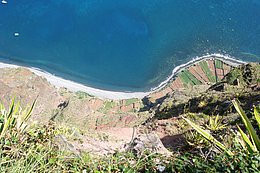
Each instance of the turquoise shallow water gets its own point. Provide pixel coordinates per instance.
(125, 45)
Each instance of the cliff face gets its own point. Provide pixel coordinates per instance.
(73, 108)
(25, 86)
(85, 111)
(106, 124)
(154, 115)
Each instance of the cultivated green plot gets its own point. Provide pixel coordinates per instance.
(107, 106)
(185, 79)
(192, 77)
(218, 64)
(205, 68)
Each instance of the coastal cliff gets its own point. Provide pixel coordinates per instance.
(204, 87)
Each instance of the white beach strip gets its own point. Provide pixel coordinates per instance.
(104, 94)
(73, 86)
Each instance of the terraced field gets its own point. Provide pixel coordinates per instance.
(204, 72)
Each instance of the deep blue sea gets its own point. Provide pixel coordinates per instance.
(125, 45)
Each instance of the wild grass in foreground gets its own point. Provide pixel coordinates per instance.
(33, 149)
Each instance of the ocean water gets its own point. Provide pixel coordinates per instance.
(125, 45)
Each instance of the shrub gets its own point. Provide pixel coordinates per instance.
(250, 144)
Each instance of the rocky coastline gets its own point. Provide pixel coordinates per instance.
(101, 120)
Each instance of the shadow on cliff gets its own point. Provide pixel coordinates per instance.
(221, 106)
(243, 82)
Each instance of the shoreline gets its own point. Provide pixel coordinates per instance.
(59, 82)
(225, 58)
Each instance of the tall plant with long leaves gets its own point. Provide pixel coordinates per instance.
(14, 118)
(250, 144)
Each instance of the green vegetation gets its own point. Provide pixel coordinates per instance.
(130, 101)
(218, 64)
(108, 105)
(81, 94)
(192, 78)
(14, 118)
(250, 145)
(205, 68)
(215, 124)
(244, 75)
(208, 136)
(185, 79)
(188, 79)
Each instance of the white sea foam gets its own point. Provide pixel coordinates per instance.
(225, 58)
(73, 86)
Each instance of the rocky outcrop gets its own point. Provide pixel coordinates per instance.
(242, 82)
